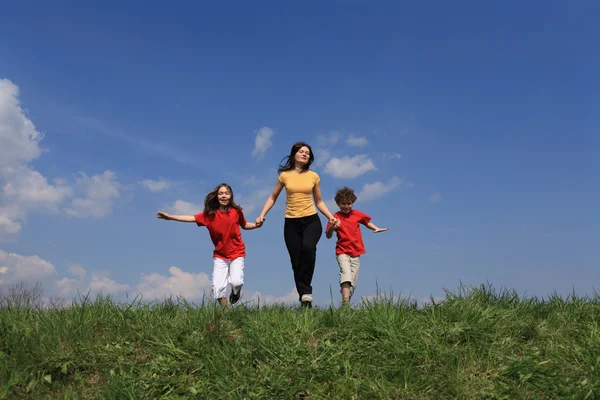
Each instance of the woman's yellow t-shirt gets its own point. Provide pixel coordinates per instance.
(299, 193)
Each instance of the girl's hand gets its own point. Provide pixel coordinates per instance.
(163, 215)
(380, 230)
(260, 221)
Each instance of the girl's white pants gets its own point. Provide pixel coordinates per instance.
(225, 273)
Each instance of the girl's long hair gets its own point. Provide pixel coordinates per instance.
(211, 202)
(288, 163)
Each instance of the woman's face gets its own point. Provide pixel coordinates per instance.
(302, 156)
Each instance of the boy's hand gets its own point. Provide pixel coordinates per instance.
(377, 230)
(163, 215)
(336, 224)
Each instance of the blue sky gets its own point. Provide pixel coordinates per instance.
(470, 129)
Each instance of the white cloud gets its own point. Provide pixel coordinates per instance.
(392, 156)
(372, 191)
(253, 202)
(67, 287)
(31, 189)
(322, 156)
(349, 167)
(435, 197)
(181, 207)
(253, 181)
(162, 150)
(179, 283)
(22, 188)
(156, 186)
(262, 142)
(357, 141)
(100, 194)
(18, 136)
(7, 225)
(15, 268)
(77, 270)
(329, 140)
(101, 284)
(288, 298)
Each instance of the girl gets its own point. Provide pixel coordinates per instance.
(302, 229)
(223, 219)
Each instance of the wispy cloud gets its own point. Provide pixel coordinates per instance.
(392, 156)
(92, 125)
(23, 188)
(349, 167)
(435, 198)
(100, 192)
(156, 186)
(357, 141)
(330, 139)
(288, 298)
(372, 191)
(15, 268)
(254, 201)
(191, 286)
(151, 147)
(181, 207)
(262, 142)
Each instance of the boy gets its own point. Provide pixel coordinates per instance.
(349, 245)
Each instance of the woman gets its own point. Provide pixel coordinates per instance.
(302, 229)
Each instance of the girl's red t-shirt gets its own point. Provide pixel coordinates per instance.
(349, 237)
(225, 233)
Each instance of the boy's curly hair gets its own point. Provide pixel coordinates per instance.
(345, 194)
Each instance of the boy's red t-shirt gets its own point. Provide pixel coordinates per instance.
(349, 237)
(224, 230)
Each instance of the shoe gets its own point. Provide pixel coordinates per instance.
(306, 300)
(306, 297)
(233, 297)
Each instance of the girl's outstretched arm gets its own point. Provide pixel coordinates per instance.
(270, 202)
(180, 218)
(252, 225)
(375, 228)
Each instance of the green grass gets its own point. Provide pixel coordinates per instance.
(478, 343)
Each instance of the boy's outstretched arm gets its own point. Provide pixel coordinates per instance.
(180, 218)
(375, 228)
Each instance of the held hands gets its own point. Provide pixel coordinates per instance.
(163, 215)
(335, 223)
(259, 221)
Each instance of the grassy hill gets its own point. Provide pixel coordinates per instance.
(477, 343)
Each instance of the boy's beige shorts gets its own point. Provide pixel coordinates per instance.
(349, 267)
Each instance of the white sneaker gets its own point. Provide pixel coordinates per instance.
(306, 297)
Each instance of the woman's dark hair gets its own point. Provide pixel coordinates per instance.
(211, 202)
(345, 194)
(288, 163)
